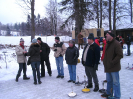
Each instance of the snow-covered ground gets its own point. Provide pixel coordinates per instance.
(52, 88)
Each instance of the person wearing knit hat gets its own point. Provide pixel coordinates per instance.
(21, 59)
(44, 55)
(34, 53)
(90, 59)
(112, 66)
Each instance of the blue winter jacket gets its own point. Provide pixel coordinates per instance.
(93, 55)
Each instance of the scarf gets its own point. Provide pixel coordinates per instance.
(22, 46)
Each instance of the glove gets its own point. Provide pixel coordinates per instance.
(55, 49)
(25, 54)
(96, 66)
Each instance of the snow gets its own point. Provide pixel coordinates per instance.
(51, 87)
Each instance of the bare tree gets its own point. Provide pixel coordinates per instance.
(29, 5)
(52, 14)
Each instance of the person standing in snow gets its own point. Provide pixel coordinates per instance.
(44, 53)
(71, 57)
(21, 59)
(90, 59)
(34, 53)
(128, 42)
(111, 61)
(80, 41)
(59, 51)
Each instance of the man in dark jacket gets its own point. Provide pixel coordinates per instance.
(111, 61)
(44, 53)
(128, 42)
(90, 59)
(71, 57)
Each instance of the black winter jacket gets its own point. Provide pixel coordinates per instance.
(93, 55)
(34, 52)
(71, 56)
(45, 51)
(128, 40)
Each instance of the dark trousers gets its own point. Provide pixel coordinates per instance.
(35, 68)
(128, 49)
(43, 67)
(22, 66)
(91, 73)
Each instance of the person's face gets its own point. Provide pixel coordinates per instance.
(90, 41)
(70, 45)
(103, 38)
(108, 37)
(56, 40)
(22, 42)
(39, 41)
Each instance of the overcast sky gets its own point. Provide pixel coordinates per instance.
(10, 12)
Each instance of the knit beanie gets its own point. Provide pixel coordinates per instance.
(21, 40)
(91, 36)
(34, 40)
(57, 38)
(111, 33)
(39, 39)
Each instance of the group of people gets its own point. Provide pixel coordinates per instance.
(39, 52)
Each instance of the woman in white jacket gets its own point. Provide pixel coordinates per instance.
(21, 59)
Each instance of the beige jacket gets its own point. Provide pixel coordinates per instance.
(20, 56)
(61, 49)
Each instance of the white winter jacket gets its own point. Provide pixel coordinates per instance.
(20, 56)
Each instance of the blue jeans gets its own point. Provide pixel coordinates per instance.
(22, 66)
(60, 68)
(72, 72)
(36, 68)
(113, 82)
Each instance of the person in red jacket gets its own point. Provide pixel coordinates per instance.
(97, 41)
(104, 46)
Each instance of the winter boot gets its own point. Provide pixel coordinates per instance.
(26, 78)
(89, 85)
(96, 88)
(17, 78)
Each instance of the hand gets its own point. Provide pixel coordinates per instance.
(55, 49)
(96, 66)
(40, 50)
(25, 52)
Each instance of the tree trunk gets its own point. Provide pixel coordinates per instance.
(97, 14)
(32, 20)
(101, 13)
(114, 18)
(110, 26)
(131, 10)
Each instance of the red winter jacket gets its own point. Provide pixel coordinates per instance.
(104, 42)
(97, 42)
